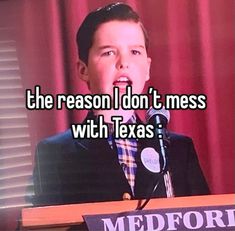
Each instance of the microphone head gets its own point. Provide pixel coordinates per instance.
(162, 112)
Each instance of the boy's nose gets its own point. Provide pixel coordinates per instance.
(122, 62)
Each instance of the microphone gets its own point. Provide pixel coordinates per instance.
(162, 113)
(160, 118)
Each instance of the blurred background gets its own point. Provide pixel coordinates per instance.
(192, 51)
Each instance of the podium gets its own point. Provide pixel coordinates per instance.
(61, 217)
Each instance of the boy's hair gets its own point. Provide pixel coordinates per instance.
(114, 11)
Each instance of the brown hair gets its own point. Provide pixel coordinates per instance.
(114, 11)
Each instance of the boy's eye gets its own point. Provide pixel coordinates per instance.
(135, 52)
(108, 53)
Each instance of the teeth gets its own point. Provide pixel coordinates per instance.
(123, 79)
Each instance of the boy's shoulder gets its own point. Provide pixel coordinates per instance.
(62, 142)
(178, 137)
(60, 138)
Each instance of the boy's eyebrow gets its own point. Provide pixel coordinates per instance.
(105, 47)
(112, 46)
(140, 46)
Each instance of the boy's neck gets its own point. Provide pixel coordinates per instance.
(126, 114)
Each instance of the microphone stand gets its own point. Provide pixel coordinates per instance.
(160, 135)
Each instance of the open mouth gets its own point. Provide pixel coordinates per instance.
(122, 82)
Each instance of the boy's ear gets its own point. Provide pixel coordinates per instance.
(148, 70)
(82, 70)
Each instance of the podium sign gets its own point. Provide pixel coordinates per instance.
(213, 212)
(195, 218)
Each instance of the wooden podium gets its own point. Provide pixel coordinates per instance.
(61, 217)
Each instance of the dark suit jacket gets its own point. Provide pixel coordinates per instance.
(69, 170)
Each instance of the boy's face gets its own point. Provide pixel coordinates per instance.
(118, 58)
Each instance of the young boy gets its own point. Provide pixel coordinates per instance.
(112, 45)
